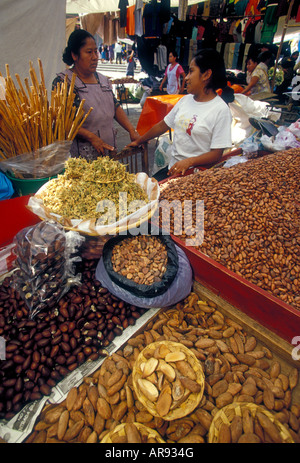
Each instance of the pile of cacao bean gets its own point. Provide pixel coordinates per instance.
(251, 219)
(237, 368)
(43, 350)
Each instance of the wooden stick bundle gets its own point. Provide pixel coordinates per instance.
(28, 121)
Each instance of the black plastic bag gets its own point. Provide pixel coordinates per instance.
(142, 290)
(179, 289)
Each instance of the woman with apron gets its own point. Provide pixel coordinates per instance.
(97, 134)
(174, 75)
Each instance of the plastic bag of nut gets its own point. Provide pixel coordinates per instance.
(45, 264)
(145, 270)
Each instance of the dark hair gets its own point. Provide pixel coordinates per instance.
(264, 56)
(174, 53)
(76, 40)
(209, 58)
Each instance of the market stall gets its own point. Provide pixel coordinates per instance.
(240, 339)
(131, 312)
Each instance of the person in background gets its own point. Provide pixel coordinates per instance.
(130, 64)
(103, 53)
(201, 120)
(96, 137)
(259, 79)
(118, 52)
(174, 75)
(111, 53)
(287, 64)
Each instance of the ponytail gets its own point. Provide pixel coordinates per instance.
(227, 94)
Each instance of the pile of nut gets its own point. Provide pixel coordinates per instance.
(244, 423)
(251, 219)
(142, 259)
(132, 433)
(237, 370)
(42, 351)
(168, 379)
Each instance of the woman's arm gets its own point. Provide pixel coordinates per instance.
(182, 75)
(162, 83)
(122, 119)
(252, 83)
(180, 167)
(155, 131)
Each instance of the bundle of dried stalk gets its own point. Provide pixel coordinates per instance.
(28, 121)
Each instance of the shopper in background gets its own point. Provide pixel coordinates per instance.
(97, 134)
(118, 52)
(111, 53)
(131, 65)
(258, 77)
(174, 75)
(201, 120)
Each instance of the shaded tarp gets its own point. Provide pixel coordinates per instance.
(32, 29)
(104, 6)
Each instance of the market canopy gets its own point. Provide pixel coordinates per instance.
(103, 6)
(30, 30)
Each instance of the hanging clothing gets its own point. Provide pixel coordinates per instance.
(182, 10)
(151, 14)
(162, 57)
(123, 4)
(138, 17)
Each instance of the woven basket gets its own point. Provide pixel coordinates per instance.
(146, 433)
(226, 415)
(193, 399)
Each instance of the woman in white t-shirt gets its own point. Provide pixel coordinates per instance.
(174, 75)
(201, 120)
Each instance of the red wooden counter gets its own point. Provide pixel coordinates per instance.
(264, 308)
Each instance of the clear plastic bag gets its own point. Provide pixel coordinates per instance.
(284, 140)
(44, 162)
(250, 145)
(162, 154)
(45, 264)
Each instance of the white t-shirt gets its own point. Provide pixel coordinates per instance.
(118, 48)
(198, 127)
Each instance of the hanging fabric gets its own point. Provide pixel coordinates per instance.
(123, 4)
(138, 18)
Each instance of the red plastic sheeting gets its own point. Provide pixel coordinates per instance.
(154, 110)
(14, 217)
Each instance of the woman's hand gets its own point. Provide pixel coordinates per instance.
(133, 144)
(99, 145)
(134, 135)
(180, 167)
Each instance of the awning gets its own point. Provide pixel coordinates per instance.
(103, 6)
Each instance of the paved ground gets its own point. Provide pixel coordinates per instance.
(133, 110)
